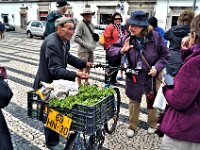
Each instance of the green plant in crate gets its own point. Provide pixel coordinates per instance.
(87, 95)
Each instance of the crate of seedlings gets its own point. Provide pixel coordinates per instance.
(90, 109)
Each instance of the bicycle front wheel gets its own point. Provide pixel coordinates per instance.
(110, 126)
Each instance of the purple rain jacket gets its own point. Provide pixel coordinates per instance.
(182, 119)
(156, 54)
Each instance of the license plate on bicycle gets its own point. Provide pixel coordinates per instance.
(58, 122)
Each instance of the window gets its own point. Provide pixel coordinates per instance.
(38, 24)
(33, 24)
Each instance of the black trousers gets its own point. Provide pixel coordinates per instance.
(111, 78)
(51, 137)
(5, 139)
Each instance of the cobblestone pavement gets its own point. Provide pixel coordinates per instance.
(21, 56)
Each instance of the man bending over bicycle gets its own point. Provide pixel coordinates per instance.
(54, 57)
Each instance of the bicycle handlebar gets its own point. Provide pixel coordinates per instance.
(127, 70)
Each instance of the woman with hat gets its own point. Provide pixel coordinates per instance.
(147, 55)
(84, 37)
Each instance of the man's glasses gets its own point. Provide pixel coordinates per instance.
(118, 18)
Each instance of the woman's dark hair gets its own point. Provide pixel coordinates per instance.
(114, 15)
(153, 21)
(195, 27)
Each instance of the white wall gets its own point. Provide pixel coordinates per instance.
(77, 8)
(14, 8)
(161, 13)
(11, 9)
(32, 11)
(163, 8)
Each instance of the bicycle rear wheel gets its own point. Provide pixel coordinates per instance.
(110, 126)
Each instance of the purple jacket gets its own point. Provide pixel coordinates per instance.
(182, 119)
(156, 54)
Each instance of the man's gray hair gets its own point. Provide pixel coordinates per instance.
(63, 20)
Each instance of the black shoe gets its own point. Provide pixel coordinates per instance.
(56, 147)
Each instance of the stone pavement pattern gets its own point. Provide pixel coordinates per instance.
(21, 57)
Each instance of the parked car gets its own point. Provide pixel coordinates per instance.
(9, 27)
(99, 28)
(35, 28)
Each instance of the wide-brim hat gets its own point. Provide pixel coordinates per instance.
(138, 18)
(87, 11)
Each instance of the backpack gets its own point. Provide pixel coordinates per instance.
(102, 38)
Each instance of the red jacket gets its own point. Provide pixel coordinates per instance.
(111, 35)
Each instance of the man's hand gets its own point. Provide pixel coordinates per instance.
(153, 72)
(82, 75)
(89, 64)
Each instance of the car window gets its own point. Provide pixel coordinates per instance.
(44, 23)
(28, 23)
(33, 24)
(38, 24)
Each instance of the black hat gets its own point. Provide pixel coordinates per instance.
(61, 3)
(138, 18)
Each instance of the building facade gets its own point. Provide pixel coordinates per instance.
(22, 11)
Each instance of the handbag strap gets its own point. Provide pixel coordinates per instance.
(145, 61)
(88, 27)
(149, 66)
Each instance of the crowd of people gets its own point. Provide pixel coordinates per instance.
(143, 46)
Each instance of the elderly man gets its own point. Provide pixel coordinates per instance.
(54, 57)
(83, 36)
(51, 18)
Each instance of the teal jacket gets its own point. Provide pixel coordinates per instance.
(50, 25)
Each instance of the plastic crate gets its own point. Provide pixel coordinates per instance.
(37, 108)
(89, 119)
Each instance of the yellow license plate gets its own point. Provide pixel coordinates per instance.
(58, 122)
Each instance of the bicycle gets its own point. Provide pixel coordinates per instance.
(80, 140)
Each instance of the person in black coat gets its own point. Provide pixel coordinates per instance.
(5, 97)
(175, 35)
(54, 57)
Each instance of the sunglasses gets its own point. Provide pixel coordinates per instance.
(118, 18)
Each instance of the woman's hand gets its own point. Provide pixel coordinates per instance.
(126, 46)
(153, 72)
(185, 42)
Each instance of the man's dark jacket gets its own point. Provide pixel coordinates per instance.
(175, 36)
(50, 25)
(54, 60)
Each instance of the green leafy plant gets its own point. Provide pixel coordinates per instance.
(87, 95)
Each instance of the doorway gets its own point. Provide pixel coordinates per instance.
(5, 18)
(174, 20)
(23, 20)
(105, 18)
